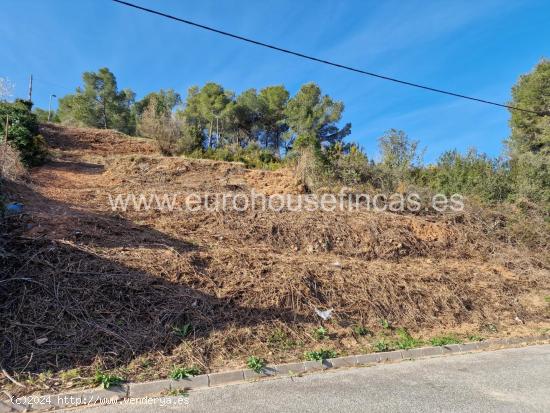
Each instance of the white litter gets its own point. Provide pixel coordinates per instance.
(325, 314)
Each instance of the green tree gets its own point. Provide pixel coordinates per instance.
(99, 103)
(312, 118)
(529, 142)
(398, 151)
(164, 99)
(400, 156)
(274, 101)
(203, 108)
(243, 118)
(531, 132)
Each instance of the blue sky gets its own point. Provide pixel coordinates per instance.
(472, 47)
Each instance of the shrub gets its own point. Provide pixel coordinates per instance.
(161, 126)
(350, 166)
(400, 157)
(252, 156)
(11, 166)
(23, 131)
(309, 168)
(531, 177)
(472, 174)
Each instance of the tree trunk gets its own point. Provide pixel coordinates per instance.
(210, 134)
(104, 114)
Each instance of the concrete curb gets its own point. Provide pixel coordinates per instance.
(158, 387)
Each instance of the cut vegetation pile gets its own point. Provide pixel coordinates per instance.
(83, 288)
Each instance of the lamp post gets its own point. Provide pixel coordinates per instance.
(50, 106)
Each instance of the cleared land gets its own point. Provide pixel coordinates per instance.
(85, 288)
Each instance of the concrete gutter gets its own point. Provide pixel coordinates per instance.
(159, 387)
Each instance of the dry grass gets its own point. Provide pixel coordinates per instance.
(11, 167)
(107, 290)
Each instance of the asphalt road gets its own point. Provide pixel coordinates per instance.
(513, 380)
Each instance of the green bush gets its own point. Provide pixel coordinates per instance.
(472, 174)
(531, 177)
(23, 131)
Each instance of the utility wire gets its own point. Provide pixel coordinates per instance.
(327, 62)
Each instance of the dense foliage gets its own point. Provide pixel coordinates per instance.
(22, 131)
(529, 142)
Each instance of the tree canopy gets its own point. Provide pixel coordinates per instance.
(531, 132)
(99, 103)
(312, 118)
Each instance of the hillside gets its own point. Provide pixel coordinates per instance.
(114, 290)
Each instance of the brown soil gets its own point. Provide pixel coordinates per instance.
(106, 289)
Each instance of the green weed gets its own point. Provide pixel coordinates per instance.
(280, 339)
(382, 345)
(405, 340)
(475, 337)
(320, 355)
(444, 340)
(386, 325)
(179, 373)
(320, 333)
(256, 364)
(183, 331)
(106, 380)
(178, 392)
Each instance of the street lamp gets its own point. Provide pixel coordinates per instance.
(50, 106)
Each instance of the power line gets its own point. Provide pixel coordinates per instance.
(327, 62)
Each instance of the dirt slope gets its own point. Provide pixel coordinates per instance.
(113, 290)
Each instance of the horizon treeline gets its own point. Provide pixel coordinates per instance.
(209, 116)
(265, 127)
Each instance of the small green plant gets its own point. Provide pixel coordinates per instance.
(320, 355)
(490, 327)
(178, 392)
(547, 298)
(444, 340)
(69, 375)
(386, 325)
(362, 331)
(106, 380)
(183, 331)
(280, 339)
(475, 337)
(180, 373)
(405, 340)
(256, 364)
(320, 333)
(382, 345)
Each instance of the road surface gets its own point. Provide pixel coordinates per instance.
(512, 380)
